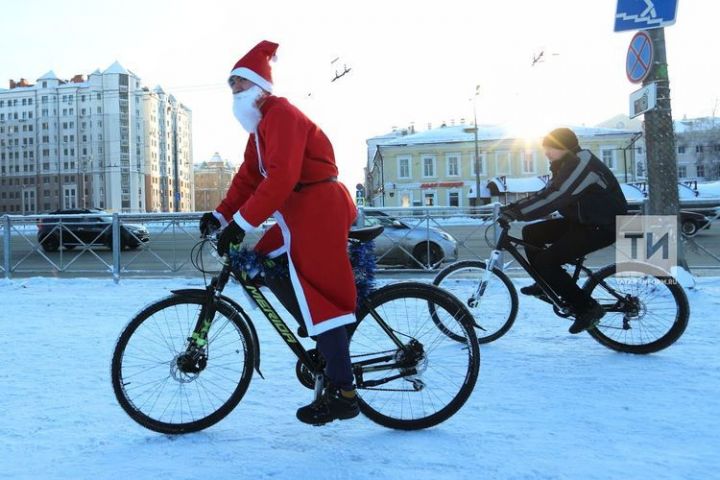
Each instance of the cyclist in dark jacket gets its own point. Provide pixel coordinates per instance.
(588, 197)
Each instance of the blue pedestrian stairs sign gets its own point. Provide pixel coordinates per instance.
(644, 14)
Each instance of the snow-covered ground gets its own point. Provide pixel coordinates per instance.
(547, 404)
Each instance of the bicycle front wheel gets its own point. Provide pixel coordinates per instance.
(155, 383)
(646, 310)
(409, 374)
(494, 307)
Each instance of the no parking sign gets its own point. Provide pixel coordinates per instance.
(639, 57)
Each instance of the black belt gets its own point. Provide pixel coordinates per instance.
(300, 186)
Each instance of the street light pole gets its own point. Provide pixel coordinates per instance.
(477, 153)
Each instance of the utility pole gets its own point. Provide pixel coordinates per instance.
(477, 151)
(659, 136)
(663, 198)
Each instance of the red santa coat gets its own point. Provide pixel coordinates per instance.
(312, 221)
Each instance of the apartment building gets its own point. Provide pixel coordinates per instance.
(85, 142)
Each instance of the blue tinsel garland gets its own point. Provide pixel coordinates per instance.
(362, 259)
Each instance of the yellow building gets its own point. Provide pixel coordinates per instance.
(212, 179)
(437, 167)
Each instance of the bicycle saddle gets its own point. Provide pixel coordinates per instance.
(365, 234)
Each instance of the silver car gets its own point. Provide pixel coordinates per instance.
(419, 246)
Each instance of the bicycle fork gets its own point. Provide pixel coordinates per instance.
(482, 285)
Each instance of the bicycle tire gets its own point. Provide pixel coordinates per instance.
(447, 371)
(658, 319)
(158, 395)
(497, 311)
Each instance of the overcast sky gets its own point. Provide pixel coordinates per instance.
(410, 61)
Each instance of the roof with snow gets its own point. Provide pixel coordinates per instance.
(632, 193)
(466, 133)
(517, 184)
(49, 76)
(116, 68)
(696, 124)
(709, 190)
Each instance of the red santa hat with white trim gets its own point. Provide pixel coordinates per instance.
(255, 65)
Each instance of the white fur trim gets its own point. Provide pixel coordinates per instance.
(294, 279)
(243, 223)
(276, 253)
(253, 77)
(325, 325)
(331, 323)
(221, 219)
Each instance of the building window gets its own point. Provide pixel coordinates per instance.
(698, 148)
(452, 161)
(428, 163)
(480, 163)
(681, 149)
(454, 199)
(502, 162)
(527, 160)
(608, 157)
(682, 171)
(700, 171)
(429, 199)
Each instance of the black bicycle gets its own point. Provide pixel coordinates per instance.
(646, 310)
(185, 362)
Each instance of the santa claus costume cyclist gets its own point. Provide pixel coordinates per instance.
(289, 173)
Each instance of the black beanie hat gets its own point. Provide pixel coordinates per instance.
(562, 138)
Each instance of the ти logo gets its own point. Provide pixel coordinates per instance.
(650, 239)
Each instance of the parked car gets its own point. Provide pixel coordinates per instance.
(414, 247)
(91, 230)
(692, 222)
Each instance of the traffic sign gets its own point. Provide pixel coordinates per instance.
(639, 57)
(644, 14)
(643, 100)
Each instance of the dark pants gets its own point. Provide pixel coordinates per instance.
(335, 349)
(567, 241)
(333, 345)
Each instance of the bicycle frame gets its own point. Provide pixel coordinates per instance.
(508, 243)
(213, 295)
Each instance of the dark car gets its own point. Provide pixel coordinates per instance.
(692, 222)
(86, 227)
(416, 246)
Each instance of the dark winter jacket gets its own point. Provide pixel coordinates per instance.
(582, 188)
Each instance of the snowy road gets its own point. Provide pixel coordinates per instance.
(547, 405)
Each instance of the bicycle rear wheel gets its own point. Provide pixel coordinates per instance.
(494, 309)
(159, 389)
(427, 378)
(646, 310)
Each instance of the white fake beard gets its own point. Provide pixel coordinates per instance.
(245, 108)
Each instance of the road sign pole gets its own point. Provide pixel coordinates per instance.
(659, 137)
(662, 169)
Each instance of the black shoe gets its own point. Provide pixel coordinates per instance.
(587, 318)
(532, 290)
(333, 405)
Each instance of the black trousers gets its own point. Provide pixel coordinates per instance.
(332, 344)
(566, 240)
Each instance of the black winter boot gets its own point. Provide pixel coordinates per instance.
(334, 404)
(587, 317)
